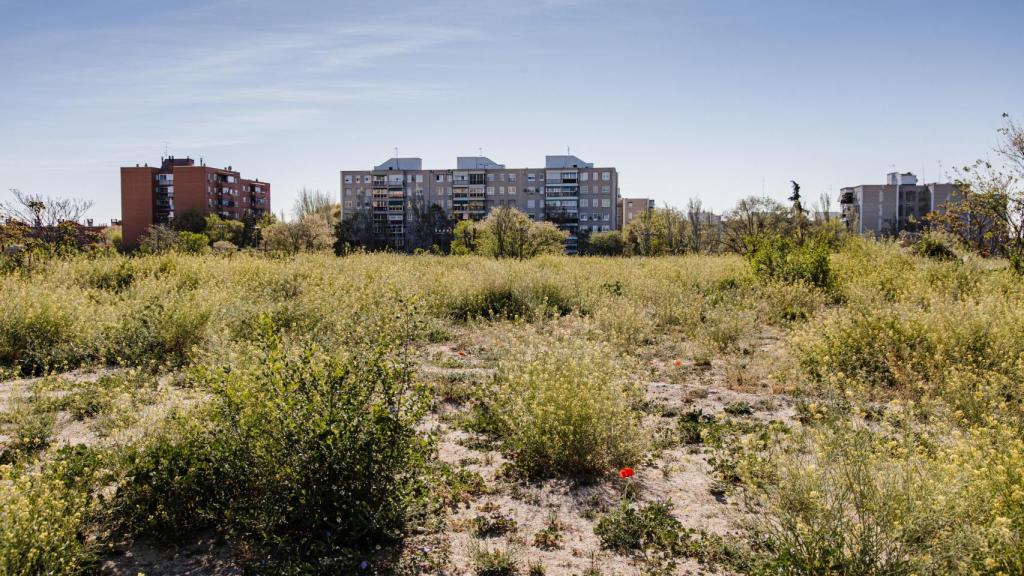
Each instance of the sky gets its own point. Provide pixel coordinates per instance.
(713, 99)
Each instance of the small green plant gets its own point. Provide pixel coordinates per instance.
(631, 528)
(739, 408)
(775, 257)
(566, 410)
(492, 524)
(550, 536)
(493, 561)
(41, 526)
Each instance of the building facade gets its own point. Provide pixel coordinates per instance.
(630, 208)
(888, 209)
(574, 195)
(151, 196)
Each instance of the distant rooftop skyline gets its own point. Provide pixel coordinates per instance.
(717, 100)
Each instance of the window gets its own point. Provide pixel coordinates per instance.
(501, 189)
(583, 217)
(490, 177)
(606, 176)
(348, 179)
(584, 176)
(366, 179)
(606, 217)
(490, 190)
(512, 190)
(419, 178)
(348, 203)
(606, 190)
(531, 204)
(530, 177)
(348, 191)
(438, 177)
(606, 203)
(584, 203)
(511, 177)
(585, 188)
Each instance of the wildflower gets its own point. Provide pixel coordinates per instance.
(364, 565)
(678, 363)
(462, 353)
(626, 472)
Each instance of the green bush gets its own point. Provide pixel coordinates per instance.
(298, 448)
(774, 257)
(630, 528)
(41, 330)
(160, 331)
(935, 246)
(565, 409)
(41, 525)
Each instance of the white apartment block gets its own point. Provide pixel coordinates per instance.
(574, 195)
(888, 209)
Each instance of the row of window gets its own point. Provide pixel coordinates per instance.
(491, 177)
(511, 190)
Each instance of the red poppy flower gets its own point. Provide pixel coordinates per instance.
(462, 352)
(626, 472)
(678, 363)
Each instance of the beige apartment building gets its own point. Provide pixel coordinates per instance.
(888, 209)
(631, 208)
(574, 195)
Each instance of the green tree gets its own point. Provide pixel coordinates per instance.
(465, 237)
(219, 229)
(609, 243)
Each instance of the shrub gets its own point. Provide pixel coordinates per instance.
(936, 246)
(493, 524)
(849, 500)
(565, 410)
(192, 243)
(41, 329)
(493, 561)
(161, 330)
(774, 257)
(41, 524)
(299, 448)
(651, 527)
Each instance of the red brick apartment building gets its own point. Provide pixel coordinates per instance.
(151, 195)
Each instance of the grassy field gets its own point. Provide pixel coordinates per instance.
(388, 414)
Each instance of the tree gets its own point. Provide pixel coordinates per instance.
(752, 216)
(429, 226)
(798, 209)
(158, 239)
(988, 211)
(193, 220)
(192, 243)
(219, 229)
(609, 243)
(695, 216)
(355, 231)
(311, 234)
(315, 203)
(37, 211)
(464, 239)
(509, 233)
(641, 233)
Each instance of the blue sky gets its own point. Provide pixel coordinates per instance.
(714, 99)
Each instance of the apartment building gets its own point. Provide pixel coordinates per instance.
(574, 195)
(888, 209)
(630, 208)
(151, 195)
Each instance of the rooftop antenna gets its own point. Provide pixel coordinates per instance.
(165, 149)
(479, 155)
(396, 152)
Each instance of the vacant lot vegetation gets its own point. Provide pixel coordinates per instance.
(821, 409)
